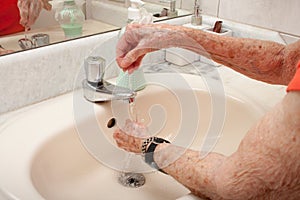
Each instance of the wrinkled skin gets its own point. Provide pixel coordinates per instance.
(30, 10)
(5, 51)
(266, 61)
(267, 162)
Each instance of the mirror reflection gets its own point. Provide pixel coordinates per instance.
(27, 24)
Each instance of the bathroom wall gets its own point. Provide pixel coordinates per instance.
(276, 15)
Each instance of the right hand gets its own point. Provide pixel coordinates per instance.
(138, 40)
(30, 10)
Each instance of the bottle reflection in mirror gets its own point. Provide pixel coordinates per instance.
(70, 18)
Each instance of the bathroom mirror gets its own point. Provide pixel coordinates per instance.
(100, 16)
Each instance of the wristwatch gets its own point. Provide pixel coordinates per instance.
(148, 152)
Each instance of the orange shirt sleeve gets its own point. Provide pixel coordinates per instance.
(9, 17)
(294, 85)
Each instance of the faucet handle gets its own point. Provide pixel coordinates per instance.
(94, 69)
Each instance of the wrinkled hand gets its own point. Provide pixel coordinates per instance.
(131, 137)
(30, 10)
(5, 51)
(138, 40)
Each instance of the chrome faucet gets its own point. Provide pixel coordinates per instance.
(196, 17)
(96, 89)
(37, 40)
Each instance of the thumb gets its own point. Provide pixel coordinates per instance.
(46, 5)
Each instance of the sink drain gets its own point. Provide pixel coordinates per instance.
(133, 180)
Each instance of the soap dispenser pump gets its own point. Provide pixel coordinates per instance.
(134, 11)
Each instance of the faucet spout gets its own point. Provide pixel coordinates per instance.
(96, 89)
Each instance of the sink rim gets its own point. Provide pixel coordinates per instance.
(25, 187)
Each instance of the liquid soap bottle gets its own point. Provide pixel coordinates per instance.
(136, 14)
(70, 18)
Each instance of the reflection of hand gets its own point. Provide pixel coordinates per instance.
(4, 51)
(30, 10)
(131, 137)
(139, 40)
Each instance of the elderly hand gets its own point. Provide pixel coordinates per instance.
(4, 51)
(30, 10)
(131, 137)
(139, 40)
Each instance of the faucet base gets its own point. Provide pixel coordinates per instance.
(105, 92)
(172, 13)
(196, 20)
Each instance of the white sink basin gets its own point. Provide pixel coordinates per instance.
(43, 157)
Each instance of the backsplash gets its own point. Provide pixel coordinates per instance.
(276, 15)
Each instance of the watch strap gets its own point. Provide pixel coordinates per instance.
(149, 159)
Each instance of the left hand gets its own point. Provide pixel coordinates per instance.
(131, 137)
(30, 10)
(138, 40)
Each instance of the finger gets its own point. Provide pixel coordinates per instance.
(34, 11)
(117, 135)
(123, 142)
(23, 9)
(46, 5)
(132, 60)
(4, 51)
(131, 57)
(135, 65)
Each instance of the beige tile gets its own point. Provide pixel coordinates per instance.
(272, 14)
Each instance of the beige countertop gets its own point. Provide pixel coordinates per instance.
(56, 34)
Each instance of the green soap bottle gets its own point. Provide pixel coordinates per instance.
(70, 18)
